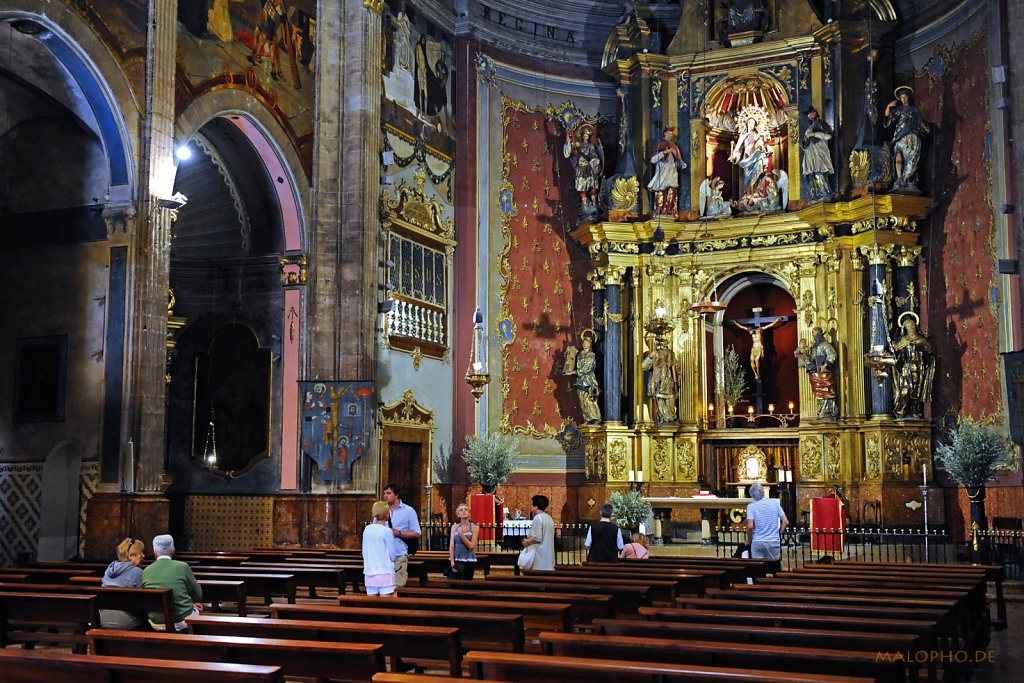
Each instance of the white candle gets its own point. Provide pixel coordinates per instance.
(924, 473)
(632, 475)
(478, 366)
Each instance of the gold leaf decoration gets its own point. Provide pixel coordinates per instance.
(625, 192)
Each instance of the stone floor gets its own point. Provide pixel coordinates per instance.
(1007, 647)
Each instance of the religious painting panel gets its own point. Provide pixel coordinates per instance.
(959, 282)
(264, 47)
(417, 101)
(337, 419)
(546, 317)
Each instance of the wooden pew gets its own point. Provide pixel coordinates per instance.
(713, 629)
(265, 584)
(34, 666)
(479, 630)
(437, 560)
(995, 573)
(139, 600)
(214, 592)
(32, 618)
(354, 662)
(556, 616)
(626, 599)
(531, 668)
(400, 642)
(46, 575)
(789, 615)
(310, 575)
(585, 606)
(716, 575)
(660, 591)
(688, 582)
(751, 656)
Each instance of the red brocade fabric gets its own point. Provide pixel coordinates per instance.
(958, 268)
(538, 267)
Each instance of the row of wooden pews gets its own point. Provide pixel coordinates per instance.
(664, 619)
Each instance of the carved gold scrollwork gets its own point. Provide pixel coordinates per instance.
(625, 193)
(617, 459)
(860, 166)
(810, 458)
(661, 457)
(686, 461)
(833, 461)
(872, 457)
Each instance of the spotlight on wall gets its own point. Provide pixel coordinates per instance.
(183, 152)
(176, 202)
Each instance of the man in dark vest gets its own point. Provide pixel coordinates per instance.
(604, 541)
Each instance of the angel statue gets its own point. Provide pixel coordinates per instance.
(711, 201)
(583, 365)
(906, 138)
(588, 162)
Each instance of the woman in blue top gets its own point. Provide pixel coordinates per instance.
(462, 544)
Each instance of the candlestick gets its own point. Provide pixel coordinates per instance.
(711, 408)
(771, 408)
(730, 410)
(791, 406)
(750, 410)
(924, 473)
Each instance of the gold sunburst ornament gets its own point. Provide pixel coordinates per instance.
(625, 192)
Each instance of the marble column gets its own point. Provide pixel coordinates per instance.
(611, 409)
(879, 301)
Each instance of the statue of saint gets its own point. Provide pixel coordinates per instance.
(588, 162)
(662, 387)
(668, 161)
(821, 365)
(816, 161)
(914, 370)
(906, 138)
(583, 365)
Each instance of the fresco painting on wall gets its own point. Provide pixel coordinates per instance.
(121, 25)
(337, 419)
(543, 313)
(418, 71)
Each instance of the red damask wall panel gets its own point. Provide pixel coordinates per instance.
(544, 291)
(958, 270)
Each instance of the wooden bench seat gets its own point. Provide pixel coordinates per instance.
(354, 662)
(268, 585)
(626, 599)
(585, 606)
(46, 575)
(716, 576)
(531, 668)
(552, 616)
(140, 600)
(752, 656)
(311, 576)
(214, 592)
(402, 643)
(689, 582)
(479, 630)
(664, 592)
(31, 618)
(34, 666)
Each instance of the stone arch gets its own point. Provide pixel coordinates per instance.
(101, 81)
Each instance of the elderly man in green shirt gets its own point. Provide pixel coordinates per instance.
(169, 573)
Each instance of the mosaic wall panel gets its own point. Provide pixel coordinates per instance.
(21, 487)
(228, 522)
(88, 480)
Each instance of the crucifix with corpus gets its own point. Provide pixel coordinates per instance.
(756, 327)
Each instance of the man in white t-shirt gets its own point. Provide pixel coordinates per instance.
(765, 524)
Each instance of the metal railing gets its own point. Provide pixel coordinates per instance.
(801, 546)
(498, 538)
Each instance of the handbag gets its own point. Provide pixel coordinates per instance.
(451, 573)
(527, 556)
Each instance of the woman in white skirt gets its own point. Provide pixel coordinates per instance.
(379, 553)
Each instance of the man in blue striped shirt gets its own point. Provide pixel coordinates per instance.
(765, 524)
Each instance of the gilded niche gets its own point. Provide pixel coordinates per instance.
(617, 459)
(810, 458)
(905, 448)
(661, 456)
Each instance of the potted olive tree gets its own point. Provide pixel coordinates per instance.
(630, 509)
(734, 381)
(969, 456)
(491, 459)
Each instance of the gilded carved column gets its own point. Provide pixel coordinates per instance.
(907, 297)
(856, 402)
(807, 318)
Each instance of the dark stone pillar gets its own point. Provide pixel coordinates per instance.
(611, 410)
(878, 332)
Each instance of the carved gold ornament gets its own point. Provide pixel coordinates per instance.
(625, 192)
(872, 457)
(860, 165)
(661, 457)
(617, 459)
(810, 459)
(686, 461)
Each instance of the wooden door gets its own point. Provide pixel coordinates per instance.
(405, 468)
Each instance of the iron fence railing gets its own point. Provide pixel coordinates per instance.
(508, 538)
(801, 545)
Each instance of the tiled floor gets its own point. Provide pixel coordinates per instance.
(1007, 647)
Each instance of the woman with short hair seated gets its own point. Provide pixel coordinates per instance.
(124, 572)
